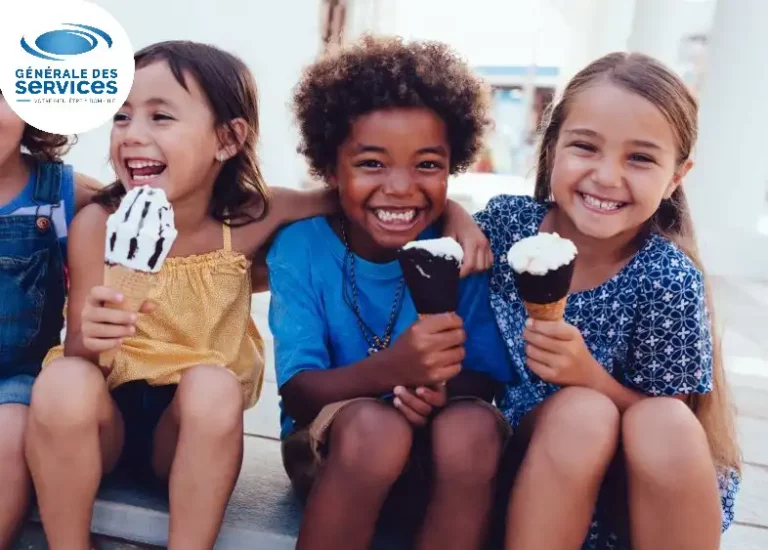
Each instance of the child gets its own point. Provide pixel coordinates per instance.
(171, 406)
(385, 123)
(614, 153)
(38, 198)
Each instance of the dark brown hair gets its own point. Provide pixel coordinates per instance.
(231, 93)
(651, 80)
(43, 146)
(46, 147)
(386, 72)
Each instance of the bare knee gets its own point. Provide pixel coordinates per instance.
(67, 394)
(371, 442)
(466, 444)
(209, 400)
(577, 430)
(664, 443)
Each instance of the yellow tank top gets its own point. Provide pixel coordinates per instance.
(203, 317)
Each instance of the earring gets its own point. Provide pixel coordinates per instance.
(220, 157)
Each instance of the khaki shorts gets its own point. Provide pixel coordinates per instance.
(304, 450)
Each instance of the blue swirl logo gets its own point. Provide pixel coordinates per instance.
(59, 44)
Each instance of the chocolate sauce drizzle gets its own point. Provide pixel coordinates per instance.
(159, 244)
(133, 245)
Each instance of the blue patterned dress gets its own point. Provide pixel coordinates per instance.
(648, 326)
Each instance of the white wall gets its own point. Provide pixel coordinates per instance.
(276, 38)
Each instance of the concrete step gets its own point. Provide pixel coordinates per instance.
(263, 513)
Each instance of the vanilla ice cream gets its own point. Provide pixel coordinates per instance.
(141, 232)
(431, 270)
(543, 267)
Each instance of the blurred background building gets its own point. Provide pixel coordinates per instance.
(527, 50)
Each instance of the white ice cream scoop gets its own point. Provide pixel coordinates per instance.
(541, 253)
(141, 232)
(445, 247)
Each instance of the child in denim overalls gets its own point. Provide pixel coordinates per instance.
(38, 198)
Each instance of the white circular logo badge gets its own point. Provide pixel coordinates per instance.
(65, 67)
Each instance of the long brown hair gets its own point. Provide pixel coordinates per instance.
(651, 80)
(231, 93)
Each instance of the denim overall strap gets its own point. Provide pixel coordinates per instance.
(32, 278)
(49, 178)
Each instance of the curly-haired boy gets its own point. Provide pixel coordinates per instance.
(365, 406)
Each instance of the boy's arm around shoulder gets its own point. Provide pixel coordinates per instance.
(86, 270)
(286, 206)
(85, 188)
(290, 205)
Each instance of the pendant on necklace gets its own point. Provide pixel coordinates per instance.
(372, 351)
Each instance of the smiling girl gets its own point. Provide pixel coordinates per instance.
(171, 405)
(634, 371)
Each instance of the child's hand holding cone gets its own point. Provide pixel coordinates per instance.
(139, 237)
(429, 352)
(106, 321)
(556, 353)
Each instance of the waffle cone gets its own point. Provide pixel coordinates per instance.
(553, 311)
(134, 286)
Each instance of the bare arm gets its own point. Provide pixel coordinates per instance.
(287, 206)
(86, 270)
(85, 188)
(622, 396)
(309, 391)
(290, 205)
(460, 225)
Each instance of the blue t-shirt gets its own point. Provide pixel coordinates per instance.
(314, 328)
(648, 325)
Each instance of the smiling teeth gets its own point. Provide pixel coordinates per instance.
(602, 205)
(388, 216)
(136, 164)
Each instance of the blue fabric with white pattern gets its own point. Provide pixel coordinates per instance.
(648, 326)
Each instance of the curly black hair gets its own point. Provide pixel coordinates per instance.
(386, 72)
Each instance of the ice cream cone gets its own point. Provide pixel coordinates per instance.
(554, 311)
(542, 267)
(139, 236)
(134, 286)
(431, 271)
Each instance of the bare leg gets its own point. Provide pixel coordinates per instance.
(673, 496)
(75, 434)
(575, 435)
(14, 475)
(369, 447)
(198, 443)
(466, 446)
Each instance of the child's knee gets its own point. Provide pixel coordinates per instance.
(209, 400)
(466, 443)
(66, 394)
(578, 430)
(664, 443)
(371, 442)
